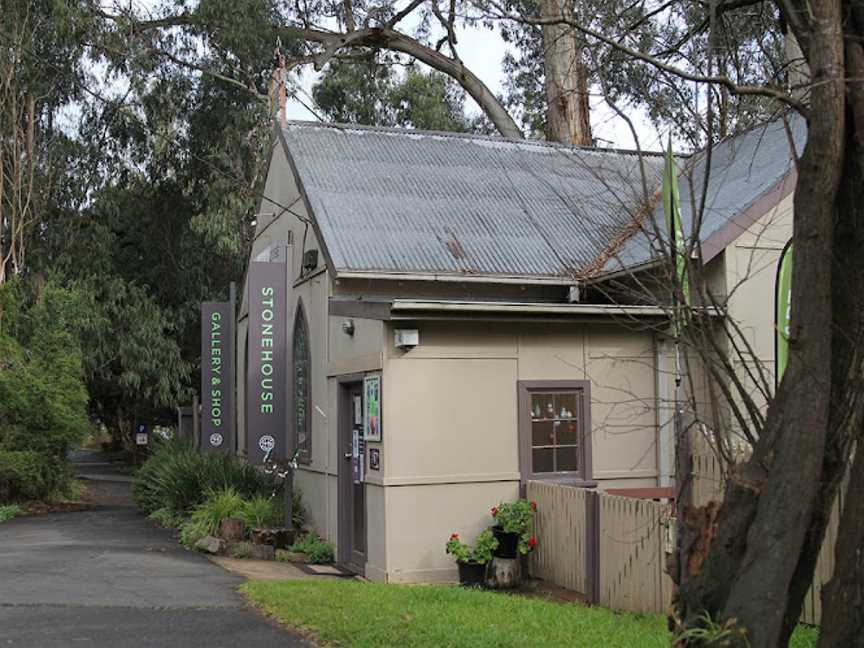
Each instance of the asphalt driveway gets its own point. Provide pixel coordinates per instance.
(109, 577)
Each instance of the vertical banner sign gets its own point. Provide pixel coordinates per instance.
(217, 377)
(782, 311)
(266, 381)
(677, 246)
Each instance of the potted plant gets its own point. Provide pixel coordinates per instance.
(514, 524)
(472, 561)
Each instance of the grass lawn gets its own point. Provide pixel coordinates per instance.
(366, 615)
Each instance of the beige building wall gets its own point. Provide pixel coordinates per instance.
(751, 272)
(451, 448)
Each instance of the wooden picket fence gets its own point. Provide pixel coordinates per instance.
(614, 549)
(560, 521)
(610, 548)
(634, 538)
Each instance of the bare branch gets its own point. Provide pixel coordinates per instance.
(762, 91)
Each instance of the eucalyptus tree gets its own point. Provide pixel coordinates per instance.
(41, 44)
(374, 94)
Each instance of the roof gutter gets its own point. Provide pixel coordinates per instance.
(460, 278)
(425, 306)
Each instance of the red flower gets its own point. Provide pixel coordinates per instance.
(454, 536)
(532, 542)
(533, 506)
(494, 511)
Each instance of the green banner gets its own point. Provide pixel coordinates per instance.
(782, 311)
(677, 244)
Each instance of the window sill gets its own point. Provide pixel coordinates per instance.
(575, 482)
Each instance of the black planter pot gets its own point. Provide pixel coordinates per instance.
(471, 574)
(508, 543)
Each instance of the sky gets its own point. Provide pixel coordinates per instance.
(483, 50)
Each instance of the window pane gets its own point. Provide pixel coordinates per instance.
(568, 433)
(301, 386)
(542, 433)
(567, 458)
(565, 405)
(542, 406)
(543, 460)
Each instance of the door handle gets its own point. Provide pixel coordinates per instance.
(348, 455)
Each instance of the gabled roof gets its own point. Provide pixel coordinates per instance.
(411, 203)
(408, 202)
(749, 174)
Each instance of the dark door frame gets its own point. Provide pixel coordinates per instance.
(345, 478)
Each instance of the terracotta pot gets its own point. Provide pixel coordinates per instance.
(508, 543)
(471, 574)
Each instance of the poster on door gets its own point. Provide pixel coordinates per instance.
(372, 408)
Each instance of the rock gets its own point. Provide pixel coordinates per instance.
(263, 552)
(292, 556)
(281, 538)
(231, 530)
(211, 545)
(504, 573)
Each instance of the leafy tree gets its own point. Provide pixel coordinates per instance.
(43, 399)
(374, 94)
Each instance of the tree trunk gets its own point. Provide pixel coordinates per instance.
(843, 596)
(566, 78)
(770, 500)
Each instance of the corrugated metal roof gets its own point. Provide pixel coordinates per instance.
(742, 169)
(390, 200)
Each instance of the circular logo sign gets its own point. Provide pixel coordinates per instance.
(215, 439)
(266, 443)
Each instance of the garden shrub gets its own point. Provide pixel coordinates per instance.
(178, 478)
(9, 511)
(240, 550)
(191, 532)
(218, 506)
(316, 549)
(43, 397)
(28, 475)
(166, 518)
(259, 512)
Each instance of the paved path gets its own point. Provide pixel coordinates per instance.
(108, 577)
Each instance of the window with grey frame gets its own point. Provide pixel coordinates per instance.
(555, 430)
(301, 364)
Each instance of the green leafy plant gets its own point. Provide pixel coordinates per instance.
(517, 517)
(191, 531)
(316, 550)
(219, 505)
(481, 553)
(714, 633)
(166, 518)
(261, 511)
(207, 516)
(178, 477)
(9, 511)
(298, 511)
(240, 550)
(30, 475)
